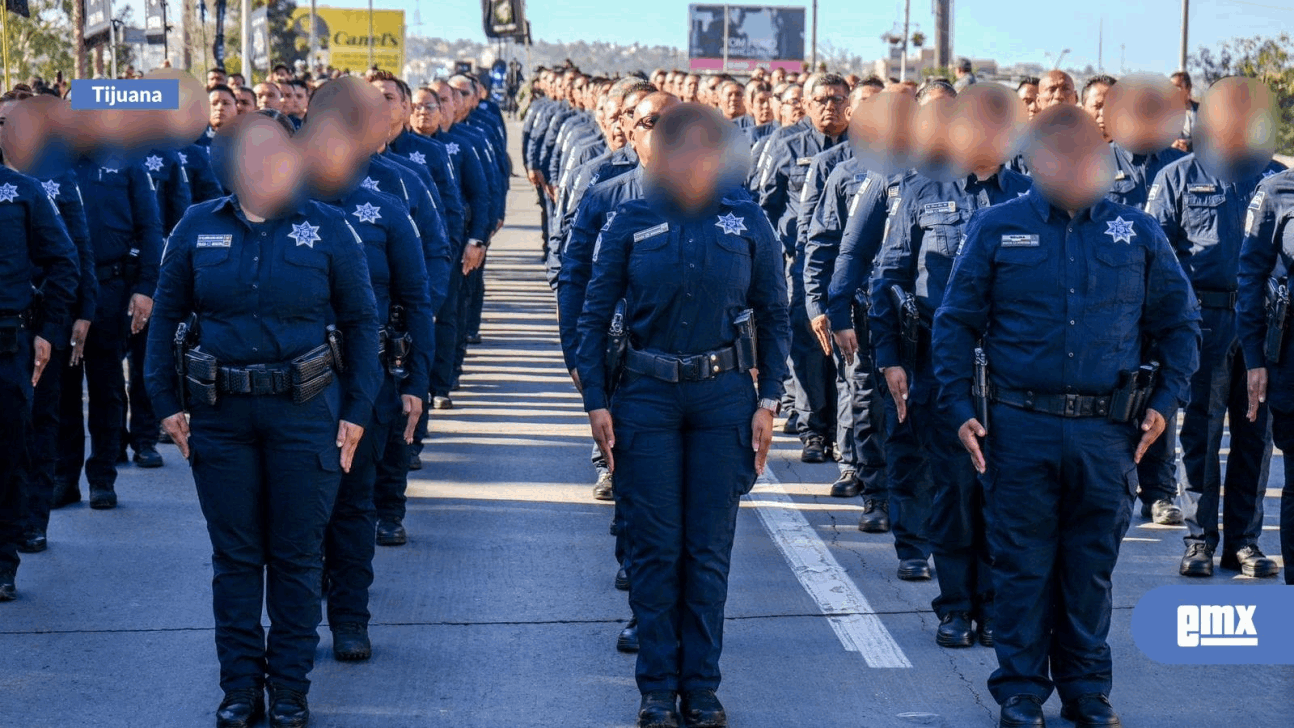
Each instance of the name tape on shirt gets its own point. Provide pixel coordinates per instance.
(1120, 175)
(214, 241)
(949, 206)
(651, 232)
(1202, 189)
(1020, 241)
(804, 161)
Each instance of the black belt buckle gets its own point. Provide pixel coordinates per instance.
(1073, 405)
(691, 368)
(261, 379)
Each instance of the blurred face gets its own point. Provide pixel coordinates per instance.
(425, 118)
(1028, 94)
(1056, 88)
(289, 99)
(691, 168)
(1094, 105)
(1143, 113)
(732, 102)
(394, 107)
(761, 107)
(1236, 134)
(269, 171)
(246, 100)
(792, 105)
(985, 127)
(1072, 166)
(223, 108)
(268, 97)
(827, 109)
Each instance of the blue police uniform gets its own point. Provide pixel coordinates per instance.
(860, 420)
(267, 470)
(1135, 172)
(1203, 218)
(1267, 254)
(1062, 305)
(431, 156)
(196, 159)
(42, 494)
(126, 232)
(41, 252)
(397, 267)
(923, 239)
(683, 448)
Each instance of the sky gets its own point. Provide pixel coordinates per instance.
(1009, 31)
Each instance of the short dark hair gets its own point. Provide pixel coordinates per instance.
(222, 88)
(300, 83)
(218, 69)
(874, 81)
(964, 64)
(283, 66)
(1026, 81)
(678, 120)
(1183, 76)
(1100, 79)
(826, 79)
(935, 84)
(281, 118)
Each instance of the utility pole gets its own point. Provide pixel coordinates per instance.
(245, 41)
(314, 36)
(370, 34)
(903, 57)
(112, 40)
(725, 39)
(1186, 14)
(1100, 45)
(813, 52)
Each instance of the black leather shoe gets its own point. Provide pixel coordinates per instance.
(148, 457)
(701, 709)
(65, 496)
(815, 451)
(1022, 711)
(985, 631)
(1163, 512)
(350, 642)
(415, 462)
(1198, 560)
(1090, 711)
(955, 631)
(241, 709)
(8, 592)
(790, 428)
(603, 490)
(914, 570)
(102, 499)
(876, 516)
(164, 438)
(33, 542)
(628, 639)
(390, 532)
(846, 486)
(472, 339)
(288, 709)
(658, 710)
(1250, 561)
(622, 579)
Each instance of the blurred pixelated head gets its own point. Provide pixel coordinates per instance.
(1070, 161)
(1235, 131)
(696, 155)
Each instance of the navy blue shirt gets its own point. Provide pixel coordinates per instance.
(432, 156)
(121, 212)
(923, 236)
(685, 278)
(384, 174)
(477, 195)
(1135, 172)
(1064, 305)
(202, 178)
(824, 231)
(174, 193)
(66, 195)
(1268, 252)
(398, 271)
(782, 179)
(1203, 218)
(264, 294)
(37, 247)
(860, 241)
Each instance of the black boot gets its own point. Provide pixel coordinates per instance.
(350, 642)
(241, 708)
(701, 709)
(955, 631)
(628, 639)
(658, 710)
(1090, 711)
(8, 592)
(876, 516)
(1022, 711)
(288, 709)
(102, 499)
(33, 542)
(390, 532)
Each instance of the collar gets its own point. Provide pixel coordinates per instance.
(1046, 210)
(230, 203)
(970, 180)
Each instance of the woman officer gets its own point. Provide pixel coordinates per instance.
(685, 432)
(273, 423)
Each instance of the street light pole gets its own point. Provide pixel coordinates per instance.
(813, 52)
(903, 57)
(370, 33)
(1181, 55)
(245, 42)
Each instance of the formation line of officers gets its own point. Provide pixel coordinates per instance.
(993, 343)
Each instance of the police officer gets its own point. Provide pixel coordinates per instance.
(1201, 208)
(1268, 256)
(687, 429)
(780, 187)
(126, 232)
(1058, 474)
(44, 254)
(274, 421)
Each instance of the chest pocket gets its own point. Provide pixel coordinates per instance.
(796, 177)
(1202, 215)
(730, 265)
(308, 270)
(942, 231)
(1123, 192)
(212, 278)
(1118, 275)
(1022, 274)
(654, 262)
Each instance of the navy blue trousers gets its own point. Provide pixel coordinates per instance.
(1283, 435)
(911, 485)
(860, 419)
(267, 473)
(38, 480)
(15, 432)
(100, 368)
(144, 427)
(683, 460)
(814, 372)
(1058, 499)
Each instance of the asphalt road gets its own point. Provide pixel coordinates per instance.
(501, 609)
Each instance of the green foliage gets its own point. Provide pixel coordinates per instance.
(286, 44)
(1270, 60)
(40, 45)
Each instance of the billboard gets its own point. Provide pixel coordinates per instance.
(504, 18)
(154, 21)
(758, 36)
(97, 20)
(343, 37)
(260, 41)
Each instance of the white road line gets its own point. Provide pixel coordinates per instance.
(851, 616)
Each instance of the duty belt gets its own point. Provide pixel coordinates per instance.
(304, 376)
(1063, 405)
(1217, 299)
(108, 271)
(696, 368)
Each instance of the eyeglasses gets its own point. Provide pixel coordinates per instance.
(647, 123)
(830, 101)
(426, 107)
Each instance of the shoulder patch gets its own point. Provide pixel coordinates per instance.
(946, 206)
(1154, 192)
(651, 232)
(214, 241)
(1020, 241)
(1249, 221)
(1257, 200)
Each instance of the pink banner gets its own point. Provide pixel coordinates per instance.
(716, 64)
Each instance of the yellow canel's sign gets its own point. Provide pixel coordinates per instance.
(344, 36)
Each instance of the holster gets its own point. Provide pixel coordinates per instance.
(334, 339)
(1278, 320)
(747, 341)
(617, 347)
(201, 370)
(858, 308)
(909, 326)
(395, 343)
(131, 267)
(980, 387)
(1129, 400)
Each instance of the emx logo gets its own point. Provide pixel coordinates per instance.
(1231, 624)
(1210, 625)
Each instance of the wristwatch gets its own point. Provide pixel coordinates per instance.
(772, 405)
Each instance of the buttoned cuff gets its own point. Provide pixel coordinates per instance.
(595, 398)
(813, 308)
(1255, 356)
(356, 412)
(1164, 403)
(963, 410)
(841, 320)
(888, 356)
(55, 332)
(771, 389)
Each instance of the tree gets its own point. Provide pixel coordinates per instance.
(287, 45)
(38, 44)
(1271, 61)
